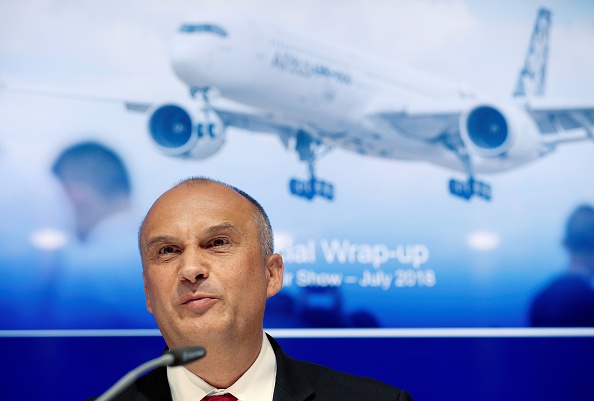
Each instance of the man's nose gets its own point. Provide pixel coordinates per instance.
(193, 266)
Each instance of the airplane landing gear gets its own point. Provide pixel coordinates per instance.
(465, 189)
(469, 188)
(308, 150)
(309, 188)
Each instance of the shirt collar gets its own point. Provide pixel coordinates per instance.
(256, 384)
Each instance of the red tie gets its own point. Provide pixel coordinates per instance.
(224, 397)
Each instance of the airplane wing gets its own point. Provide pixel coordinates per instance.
(422, 125)
(235, 115)
(420, 120)
(255, 121)
(501, 134)
(557, 121)
(231, 114)
(562, 121)
(59, 93)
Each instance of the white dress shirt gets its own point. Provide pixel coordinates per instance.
(256, 384)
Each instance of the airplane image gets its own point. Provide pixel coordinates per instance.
(242, 72)
(315, 97)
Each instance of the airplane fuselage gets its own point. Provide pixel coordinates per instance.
(332, 93)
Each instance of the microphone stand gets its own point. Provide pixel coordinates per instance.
(173, 357)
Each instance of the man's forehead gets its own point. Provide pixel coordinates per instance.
(186, 195)
(209, 198)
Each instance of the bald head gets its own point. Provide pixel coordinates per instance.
(264, 228)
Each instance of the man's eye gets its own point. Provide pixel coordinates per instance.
(166, 250)
(219, 242)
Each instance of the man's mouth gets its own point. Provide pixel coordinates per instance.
(197, 301)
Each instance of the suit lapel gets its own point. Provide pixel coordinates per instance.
(154, 386)
(291, 384)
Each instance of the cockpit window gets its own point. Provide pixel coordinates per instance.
(192, 28)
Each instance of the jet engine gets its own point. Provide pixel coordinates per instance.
(500, 131)
(178, 132)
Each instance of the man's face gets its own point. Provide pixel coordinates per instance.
(205, 277)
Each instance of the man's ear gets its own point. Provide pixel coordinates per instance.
(275, 269)
(146, 294)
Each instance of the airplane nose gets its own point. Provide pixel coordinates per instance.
(192, 59)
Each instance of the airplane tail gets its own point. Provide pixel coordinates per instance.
(531, 81)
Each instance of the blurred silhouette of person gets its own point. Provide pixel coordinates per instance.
(280, 311)
(568, 299)
(323, 307)
(99, 284)
(96, 182)
(314, 307)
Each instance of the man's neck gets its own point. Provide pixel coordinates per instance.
(225, 362)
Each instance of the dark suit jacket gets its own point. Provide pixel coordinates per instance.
(295, 381)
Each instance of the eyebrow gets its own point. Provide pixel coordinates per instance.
(159, 240)
(221, 227)
(213, 229)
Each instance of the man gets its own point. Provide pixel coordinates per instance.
(208, 267)
(96, 284)
(568, 300)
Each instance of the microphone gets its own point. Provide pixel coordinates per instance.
(172, 357)
(183, 355)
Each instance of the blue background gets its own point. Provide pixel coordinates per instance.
(488, 258)
(119, 50)
(429, 368)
